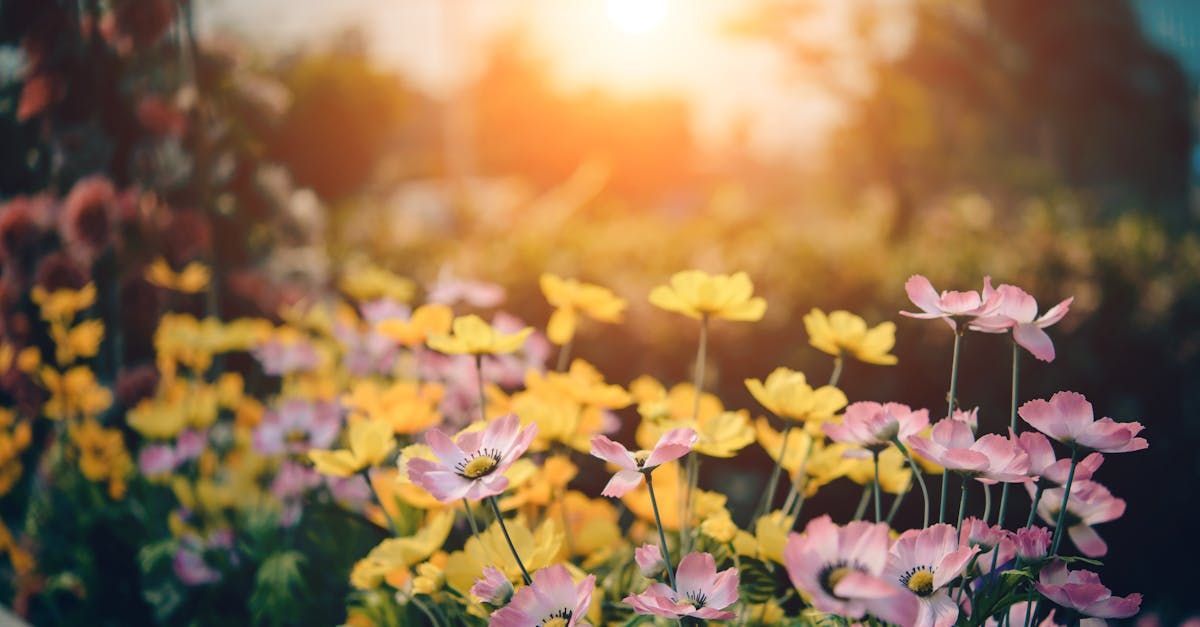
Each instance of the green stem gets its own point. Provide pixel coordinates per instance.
(768, 497)
(1037, 498)
(564, 356)
(958, 333)
(1062, 511)
(482, 394)
(920, 479)
(794, 512)
(662, 536)
(1012, 426)
(836, 375)
(862, 502)
(875, 489)
(987, 502)
(471, 518)
(693, 464)
(511, 546)
(962, 502)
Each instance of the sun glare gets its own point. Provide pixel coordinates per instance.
(634, 17)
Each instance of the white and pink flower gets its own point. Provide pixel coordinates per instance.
(1081, 590)
(1068, 418)
(1044, 465)
(296, 426)
(1089, 504)
(990, 459)
(874, 426)
(472, 465)
(671, 446)
(1017, 310)
(701, 592)
(493, 588)
(552, 595)
(948, 305)
(925, 561)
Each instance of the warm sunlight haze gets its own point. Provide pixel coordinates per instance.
(636, 16)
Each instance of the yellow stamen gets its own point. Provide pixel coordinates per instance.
(478, 467)
(641, 456)
(921, 582)
(836, 575)
(555, 622)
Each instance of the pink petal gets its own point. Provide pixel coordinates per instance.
(1088, 541)
(446, 450)
(695, 572)
(446, 486)
(613, 453)
(960, 303)
(501, 433)
(1055, 313)
(952, 564)
(920, 291)
(621, 483)
(671, 446)
(1109, 436)
(724, 589)
(1115, 607)
(1034, 340)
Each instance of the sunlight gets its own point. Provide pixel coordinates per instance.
(635, 17)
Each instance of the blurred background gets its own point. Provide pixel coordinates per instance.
(828, 148)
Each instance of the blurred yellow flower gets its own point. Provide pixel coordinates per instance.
(667, 484)
(771, 533)
(409, 406)
(402, 553)
(827, 464)
(795, 455)
(556, 417)
(697, 294)
(569, 297)
(193, 278)
(720, 527)
(787, 394)
(28, 359)
(843, 332)
(13, 441)
(79, 342)
(719, 435)
(471, 335)
(591, 526)
(431, 575)
(74, 393)
(370, 443)
(102, 455)
(894, 474)
(426, 320)
(582, 384)
(62, 305)
(656, 403)
(537, 549)
(367, 282)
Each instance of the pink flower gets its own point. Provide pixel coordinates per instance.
(493, 588)
(449, 289)
(649, 560)
(1082, 591)
(990, 459)
(1089, 504)
(841, 569)
(1043, 464)
(874, 425)
(281, 358)
(1032, 542)
(671, 446)
(925, 561)
(1017, 310)
(949, 306)
(551, 595)
(471, 466)
(702, 592)
(156, 460)
(366, 352)
(190, 444)
(994, 542)
(296, 426)
(1067, 417)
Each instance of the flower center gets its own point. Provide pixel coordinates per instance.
(919, 580)
(695, 598)
(640, 457)
(560, 618)
(483, 463)
(833, 574)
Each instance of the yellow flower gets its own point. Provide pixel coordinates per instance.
(655, 403)
(431, 575)
(472, 336)
(367, 283)
(787, 394)
(401, 553)
(799, 446)
(826, 465)
(557, 418)
(193, 278)
(538, 549)
(102, 455)
(697, 294)
(13, 440)
(843, 332)
(370, 443)
(719, 435)
(28, 359)
(80, 342)
(719, 527)
(426, 320)
(582, 384)
(409, 406)
(74, 393)
(894, 474)
(62, 305)
(569, 297)
(592, 524)
(771, 533)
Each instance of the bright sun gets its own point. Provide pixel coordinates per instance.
(636, 16)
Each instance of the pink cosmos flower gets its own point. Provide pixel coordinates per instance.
(990, 459)
(1044, 465)
(471, 466)
(994, 542)
(156, 460)
(649, 560)
(874, 425)
(671, 446)
(1032, 542)
(949, 306)
(925, 561)
(281, 358)
(296, 426)
(1082, 591)
(841, 569)
(551, 595)
(1089, 504)
(1017, 310)
(702, 592)
(365, 352)
(493, 588)
(449, 289)
(1067, 417)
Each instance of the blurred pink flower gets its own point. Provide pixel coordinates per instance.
(297, 425)
(1044, 465)
(1082, 591)
(990, 459)
(841, 570)
(365, 352)
(1067, 417)
(949, 306)
(925, 561)
(190, 567)
(551, 595)
(1089, 504)
(1017, 310)
(88, 216)
(671, 446)
(449, 290)
(472, 466)
(874, 425)
(281, 358)
(649, 560)
(1032, 542)
(156, 460)
(703, 593)
(493, 588)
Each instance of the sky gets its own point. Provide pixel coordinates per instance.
(590, 43)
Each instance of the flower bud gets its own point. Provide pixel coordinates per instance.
(493, 588)
(1032, 542)
(649, 560)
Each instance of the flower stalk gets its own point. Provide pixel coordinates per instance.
(1060, 524)
(958, 333)
(920, 476)
(662, 536)
(512, 547)
(1012, 425)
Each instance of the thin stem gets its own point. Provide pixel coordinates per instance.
(471, 518)
(1037, 498)
(701, 356)
(862, 502)
(1062, 511)
(875, 489)
(367, 477)
(962, 503)
(511, 546)
(896, 505)
(482, 394)
(768, 497)
(958, 333)
(564, 355)
(794, 514)
(693, 467)
(662, 536)
(1012, 426)
(920, 479)
(836, 375)
(987, 502)
(425, 610)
